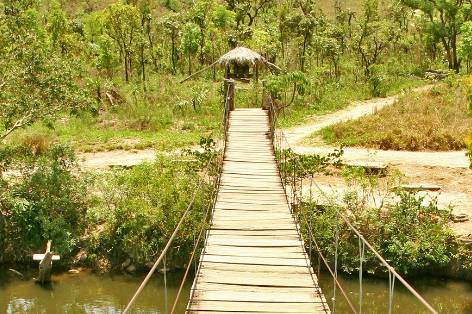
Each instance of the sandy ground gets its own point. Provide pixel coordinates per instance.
(106, 160)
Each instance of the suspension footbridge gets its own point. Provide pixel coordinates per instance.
(253, 257)
(254, 260)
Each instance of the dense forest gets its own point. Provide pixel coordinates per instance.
(81, 76)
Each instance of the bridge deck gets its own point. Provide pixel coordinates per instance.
(254, 260)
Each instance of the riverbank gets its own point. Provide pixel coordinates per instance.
(100, 293)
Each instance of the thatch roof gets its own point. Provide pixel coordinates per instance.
(242, 55)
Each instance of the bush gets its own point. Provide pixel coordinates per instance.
(45, 201)
(138, 210)
(412, 236)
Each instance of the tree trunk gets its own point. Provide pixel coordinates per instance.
(302, 61)
(455, 59)
(173, 54)
(126, 67)
(189, 64)
(143, 66)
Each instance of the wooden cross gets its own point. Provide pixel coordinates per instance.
(45, 263)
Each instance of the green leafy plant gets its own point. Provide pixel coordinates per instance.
(410, 233)
(46, 202)
(140, 209)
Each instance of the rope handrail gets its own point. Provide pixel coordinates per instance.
(391, 269)
(168, 244)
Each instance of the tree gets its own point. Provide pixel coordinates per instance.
(372, 37)
(248, 10)
(465, 45)
(442, 24)
(190, 42)
(303, 24)
(171, 25)
(199, 14)
(36, 83)
(57, 22)
(122, 23)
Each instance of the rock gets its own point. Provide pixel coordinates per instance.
(370, 167)
(73, 271)
(459, 217)
(131, 268)
(126, 263)
(435, 75)
(419, 187)
(467, 241)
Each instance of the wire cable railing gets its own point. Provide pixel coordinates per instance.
(162, 256)
(295, 193)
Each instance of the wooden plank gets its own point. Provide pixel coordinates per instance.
(248, 215)
(286, 252)
(261, 307)
(256, 296)
(299, 262)
(209, 266)
(227, 287)
(255, 279)
(254, 233)
(252, 242)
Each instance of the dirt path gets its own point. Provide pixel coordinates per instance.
(449, 170)
(354, 111)
(454, 159)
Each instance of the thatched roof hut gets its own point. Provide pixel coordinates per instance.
(242, 56)
(240, 59)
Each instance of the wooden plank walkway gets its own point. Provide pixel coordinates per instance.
(254, 260)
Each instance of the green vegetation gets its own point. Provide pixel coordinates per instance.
(409, 231)
(137, 211)
(434, 120)
(415, 238)
(104, 75)
(132, 122)
(41, 200)
(111, 217)
(413, 235)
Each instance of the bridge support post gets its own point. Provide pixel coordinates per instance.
(229, 94)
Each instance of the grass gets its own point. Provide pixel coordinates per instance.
(436, 120)
(338, 95)
(162, 117)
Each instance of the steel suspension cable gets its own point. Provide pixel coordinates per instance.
(328, 267)
(196, 245)
(376, 253)
(174, 306)
(391, 286)
(361, 260)
(166, 248)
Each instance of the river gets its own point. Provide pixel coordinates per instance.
(106, 294)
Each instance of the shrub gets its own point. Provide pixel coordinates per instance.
(138, 210)
(412, 236)
(469, 154)
(469, 94)
(45, 201)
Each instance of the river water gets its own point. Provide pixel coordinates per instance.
(106, 294)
